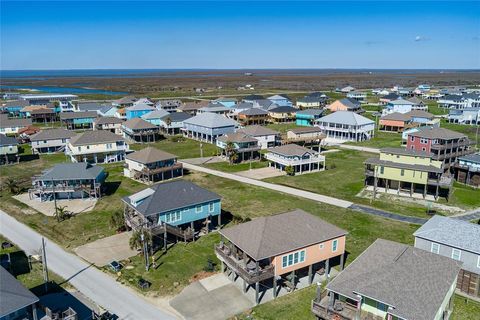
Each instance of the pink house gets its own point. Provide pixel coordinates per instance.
(275, 252)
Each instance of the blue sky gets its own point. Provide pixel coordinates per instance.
(388, 34)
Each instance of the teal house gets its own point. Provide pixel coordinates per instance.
(138, 110)
(179, 208)
(154, 117)
(78, 120)
(307, 117)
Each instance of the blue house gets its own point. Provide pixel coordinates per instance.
(138, 110)
(78, 120)
(307, 117)
(154, 116)
(177, 208)
(227, 102)
(108, 111)
(281, 101)
(13, 107)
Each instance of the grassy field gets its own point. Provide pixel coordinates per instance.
(282, 127)
(226, 167)
(381, 140)
(182, 147)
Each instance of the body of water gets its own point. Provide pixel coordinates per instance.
(65, 90)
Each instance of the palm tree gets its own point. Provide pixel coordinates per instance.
(135, 241)
(289, 170)
(60, 213)
(231, 152)
(168, 122)
(11, 185)
(117, 220)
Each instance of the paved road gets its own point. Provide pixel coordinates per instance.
(469, 216)
(308, 195)
(95, 284)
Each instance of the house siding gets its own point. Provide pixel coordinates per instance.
(189, 213)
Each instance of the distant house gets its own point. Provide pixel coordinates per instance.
(347, 89)
(43, 115)
(217, 108)
(418, 104)
(467, 170)
(290, 247)
(280, 100)
(178, 207)
(239, 107)
(50, 140)
(26, 112)
(346, 126)
(89, 106)
(389, 97)
(252, 98)
(245, 146)
(267, 138)
(398, 122)
(139, 130)
(305, 135)
(124, 102)
(192, 107)
(8, 149)
(121, 113)
(151, 165)
(17, 301)
(154, 116)
(172, 123)
(314, 100)
(13, 108)
(282, 114)
(138, 110)
(78, 120)
(407, 173)
(112, 124)
(458, 240)
(469, 116)
(97, 147)
(208, 127)
(227, 102)
(68, 181)
(252, 116)
(300, 159)
(399, 105)
(445, 145)
(168, 105)
(108, 111)
(357, 95)
(345, 105)
(11, 126)
(307, 117)
(44, 98)
(390, 280)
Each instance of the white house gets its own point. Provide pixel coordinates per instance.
(346, 126)
(267, 138)
(97, 147)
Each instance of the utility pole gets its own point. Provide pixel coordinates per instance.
(145, 249)
(44, 265)
(201, 150)
(55, 201)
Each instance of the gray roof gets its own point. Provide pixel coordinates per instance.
(253, 97)
(105, 109)
(396, 116)
(270, 236)
(108, 120)
(72, 171)
(311, 112)
(139, 124)
(211, 120)
(256, 131)
(52, 134)
(310, 99)
(78, 115)
(437, 133)
(413, 281)
(6, 122)
(420, 114)
(192, 106)
(301, 130)
(451, 232)
(42, 111)
(14, 296)
(177, 116)
(291, 150)
(150, 155)
(156, 114)
(415, 100)
(172, 195)
(168, 103)
(214, 107)
(16, 103)
(253, 112)
(90, 106)
(95, 137)
(236, 137)
(125, 100)
(475, 157)
(283, 109)
(346, 117)
(140, 107)
(391, 96)
(400, 165)
(351, 104)
(406, 152)
(243, 105)
(264, 103)
(7, 141)
(401, 102)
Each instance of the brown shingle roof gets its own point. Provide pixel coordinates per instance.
(291, 150)
(78, 115)
(420, 114)
(139, 124)
(396, 116)
(437, 133)
(273, 235)
(149, 155)
(95, 137)
(52, 134)
(257, 130)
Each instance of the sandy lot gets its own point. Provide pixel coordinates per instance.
(48, 207)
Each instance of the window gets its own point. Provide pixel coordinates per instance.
(382, 169)
(198, 209)
(88, 147)
(334, 245)
(211, 207)
(478, 262)
(321, 246)
(424, 149)
(435, 248)
(109, 146)
(79, 148)
(412, 138)
(173, 217)
(293, 258)
(44, 141)
(402, 172)
(456, 254)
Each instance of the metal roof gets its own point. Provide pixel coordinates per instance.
(346, 117)
(156, 114)
(72, 171)
(211, 120)
(7, 141)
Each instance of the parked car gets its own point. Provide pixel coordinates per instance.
(6, 245)
(115, 266)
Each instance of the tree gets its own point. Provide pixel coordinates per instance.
(61, 213)
(168, 122)
(11, 185)
(135, 241)
(231, 152)
(289, 170)
(117, 220)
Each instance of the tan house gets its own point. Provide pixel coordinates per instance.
(276, 251)
(346, 104)
(305, 135)
(282, 114)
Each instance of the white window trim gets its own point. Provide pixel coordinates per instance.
(293, 261)
(321, 245)
(438, 248)
(211, 207)
(335, 241)
(198, 209)
(478, 262)
(459, 254)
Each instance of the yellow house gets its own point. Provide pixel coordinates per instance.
(406, 173)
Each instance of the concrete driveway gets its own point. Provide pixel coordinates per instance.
(103, 251)
(261, 173)
(212, 298)
(75, 206)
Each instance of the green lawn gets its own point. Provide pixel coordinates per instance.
(381, 140)
(465, 309)
(464, 196)
(226, 167)
(182, 147)
(282, 127)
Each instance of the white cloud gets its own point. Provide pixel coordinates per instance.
(420, 38)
